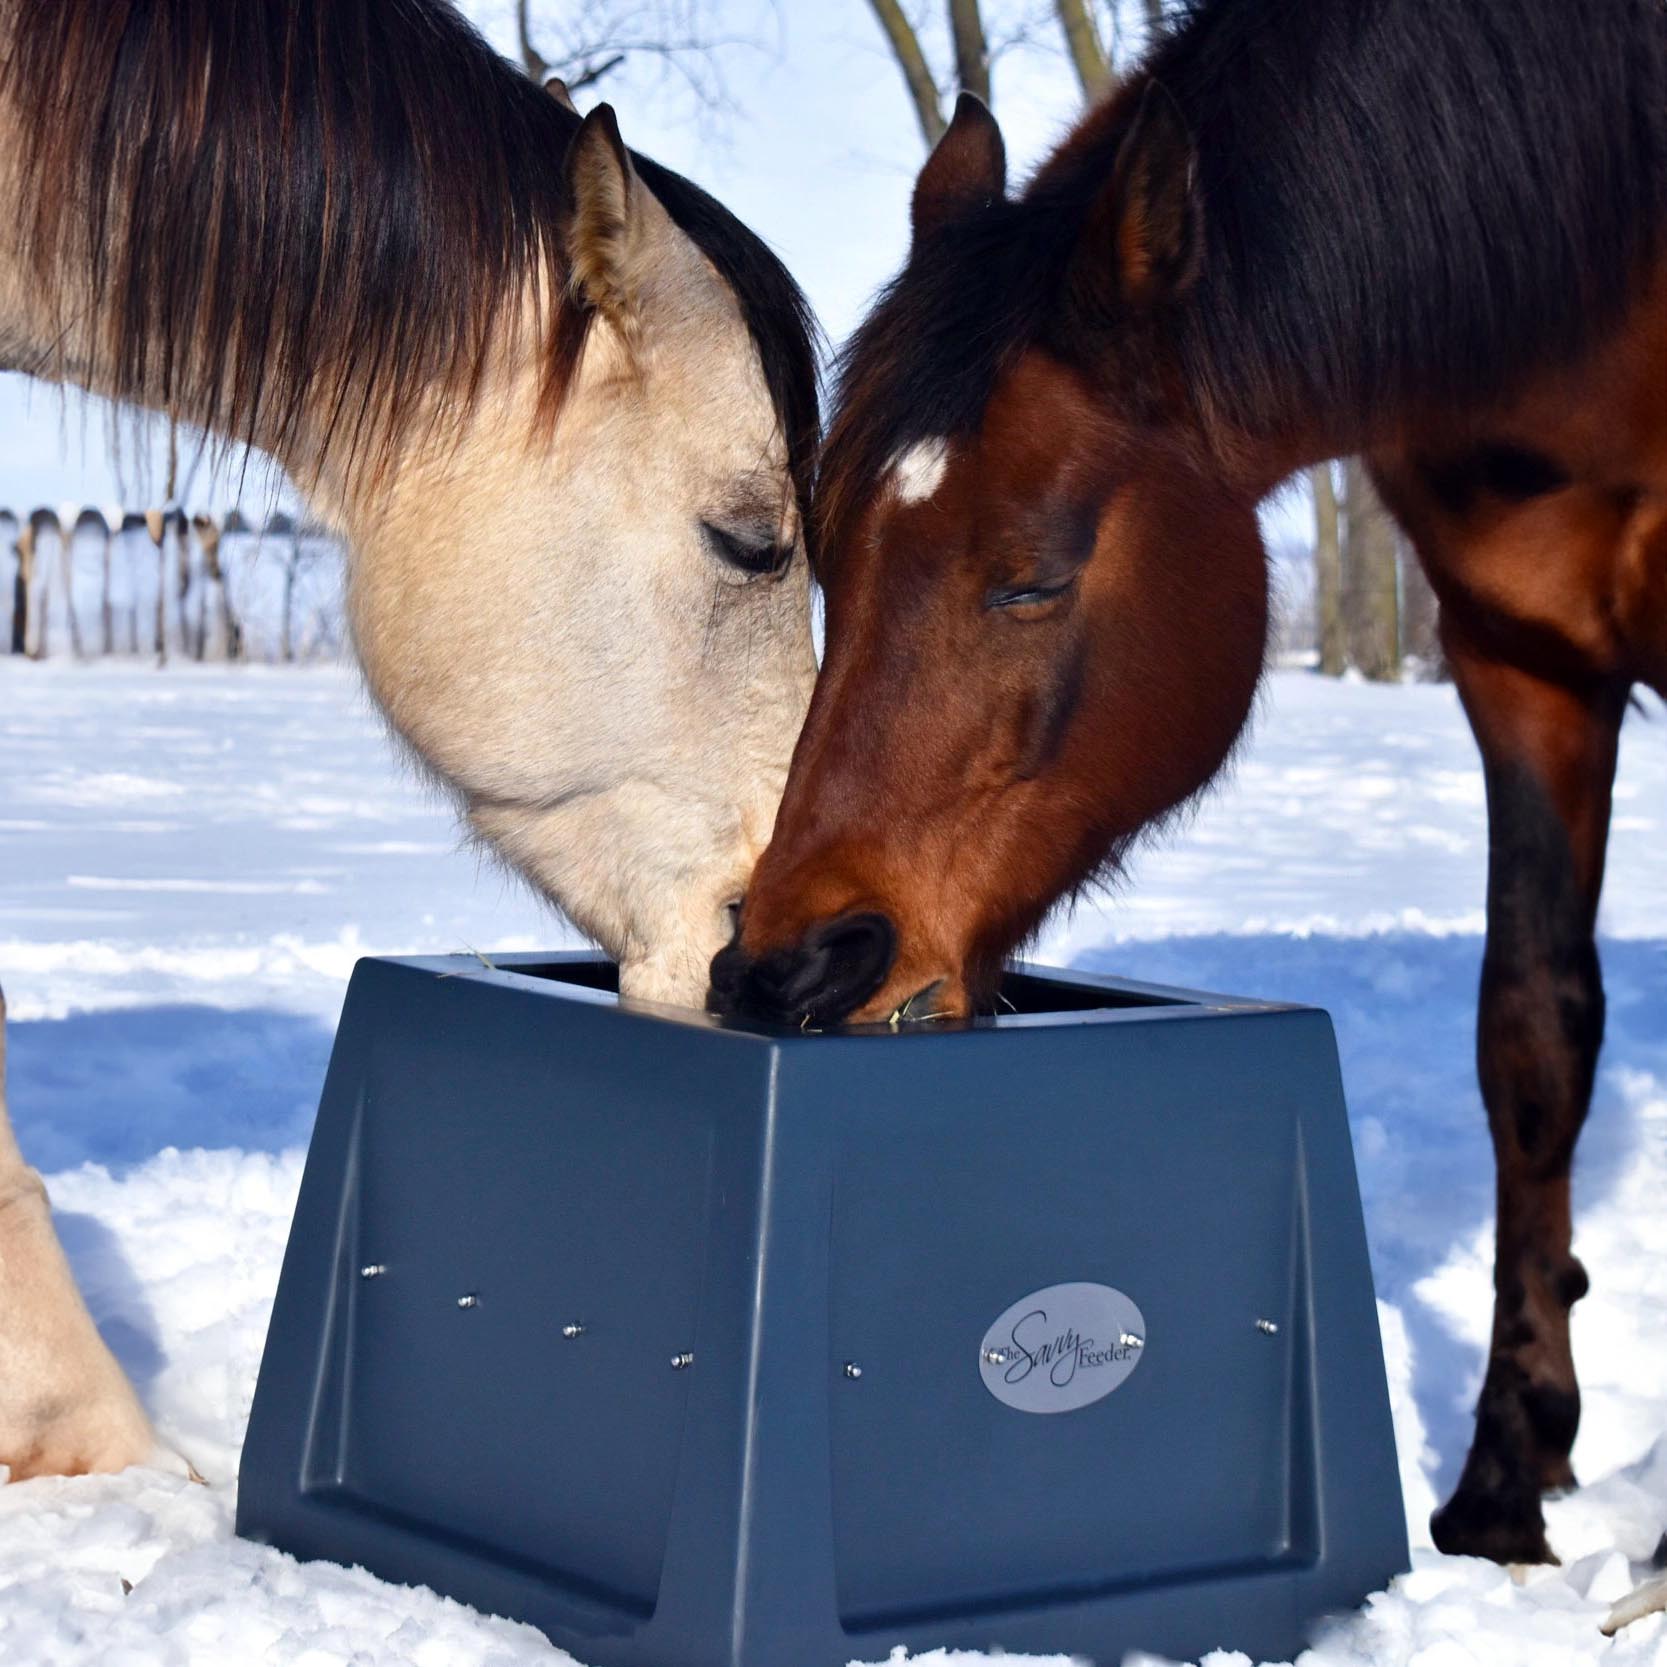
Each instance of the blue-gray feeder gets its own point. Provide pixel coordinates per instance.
(698, 1343)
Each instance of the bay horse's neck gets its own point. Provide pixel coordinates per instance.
(1405, 204)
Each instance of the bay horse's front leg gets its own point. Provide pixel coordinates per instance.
(1548, 752)
(65, 1405)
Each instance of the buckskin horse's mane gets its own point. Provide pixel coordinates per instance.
(335, 206)
(1404, 204)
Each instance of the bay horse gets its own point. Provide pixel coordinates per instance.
(348, 233)
(1432, 233)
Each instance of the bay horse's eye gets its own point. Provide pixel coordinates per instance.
(1030, 594)
(753, 551)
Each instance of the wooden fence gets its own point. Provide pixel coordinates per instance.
(168, 586)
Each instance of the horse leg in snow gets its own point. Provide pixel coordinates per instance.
(1548, 751)
(65, 1405)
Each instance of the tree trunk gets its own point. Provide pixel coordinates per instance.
(20, 589)
(182, 556)
(531, 58)
(1420, 619)
(66, 570)
(1082, 41)
(1371, 578)
(1154, 19)
(286, 641)
(106, 608)
(917, 74)
(1328, 573)
(156, 526)
(972, 52)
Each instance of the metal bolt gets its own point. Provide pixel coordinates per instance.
(373, 1270)
(682, 1362)
(1130, 1341)
(852, 1369)
(1268, 1328)
(995, 1357)
(468, 1300)
(571, 1332)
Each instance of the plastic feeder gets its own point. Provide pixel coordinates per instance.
(703, 1344)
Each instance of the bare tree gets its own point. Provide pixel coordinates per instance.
(917, 73)
(23, 546)
(45, 532)
(976, 47)
(583, 44)
(972, 51)
(1420, 619)
(1328, 573)
(1371, 578)
(156, 524)
(1088, 55)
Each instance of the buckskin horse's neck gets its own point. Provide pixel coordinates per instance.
(1405, 207)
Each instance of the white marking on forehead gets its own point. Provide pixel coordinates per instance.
(917, 472)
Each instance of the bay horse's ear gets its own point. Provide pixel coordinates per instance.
(1143, 239)
(603, 245)
(967, 169)
(557, 89)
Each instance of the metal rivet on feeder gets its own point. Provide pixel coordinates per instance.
(996, 1357)
(373, 1270)
(682, 1362)
(852, 1369)
(1269, 1328)
(468, 1300)
(572, 1332)
(1129, 1341)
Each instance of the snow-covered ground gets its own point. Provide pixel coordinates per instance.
(191, 861)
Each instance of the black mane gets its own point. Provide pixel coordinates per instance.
(336, 203)
(1406, 204)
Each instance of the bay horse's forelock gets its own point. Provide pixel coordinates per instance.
(311, 224)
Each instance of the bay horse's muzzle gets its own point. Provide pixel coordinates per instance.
(821, 980)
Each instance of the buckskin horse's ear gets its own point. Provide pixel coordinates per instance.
(967, 169)
(1143, 240)
(605, 237)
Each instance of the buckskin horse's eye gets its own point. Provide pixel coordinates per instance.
(754, 552)
(1029, 594)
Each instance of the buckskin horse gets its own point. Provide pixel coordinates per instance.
(347, 232)
(1428, 232)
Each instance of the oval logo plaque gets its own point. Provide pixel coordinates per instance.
(1062, 1348)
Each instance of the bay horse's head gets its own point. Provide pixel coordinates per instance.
(1045, 595)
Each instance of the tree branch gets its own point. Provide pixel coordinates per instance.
(972, 55)
(917, 74)
(592, 73)
(531, 59)
(1082, 40)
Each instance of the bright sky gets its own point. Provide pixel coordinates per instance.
(819, 156)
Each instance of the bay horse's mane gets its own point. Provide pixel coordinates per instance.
(338, 205)
(1405, 204)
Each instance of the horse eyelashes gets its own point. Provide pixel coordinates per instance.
(745, 556)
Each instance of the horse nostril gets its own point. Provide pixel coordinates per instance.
(727, 976)
(850, 957)
(828, 975)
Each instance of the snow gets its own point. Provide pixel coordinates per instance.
(190, 862)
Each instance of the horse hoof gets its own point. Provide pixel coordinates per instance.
(94, 1438)
(1503, 1529)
